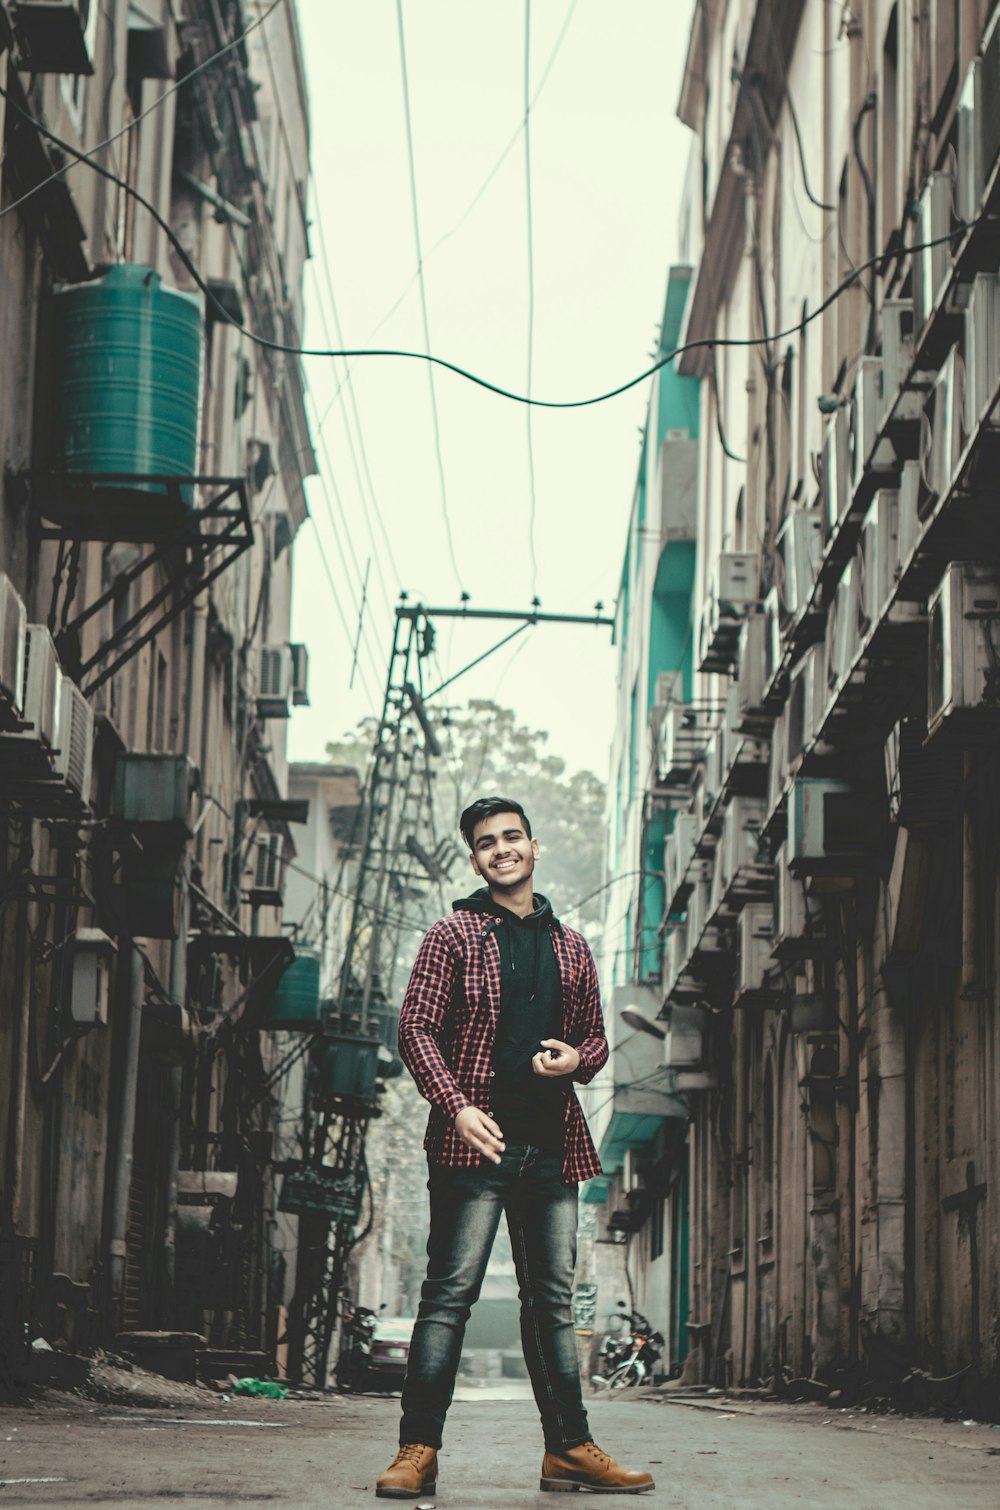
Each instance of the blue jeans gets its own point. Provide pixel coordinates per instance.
(465, 1214)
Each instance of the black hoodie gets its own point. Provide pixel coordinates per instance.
(526, 1107)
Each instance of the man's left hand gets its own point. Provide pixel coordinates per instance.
(555, 1058)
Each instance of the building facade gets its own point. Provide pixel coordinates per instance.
(830, 776)
(146, 674)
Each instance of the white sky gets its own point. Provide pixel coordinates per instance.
(608, 159)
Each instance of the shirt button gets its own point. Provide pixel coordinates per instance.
(491, 1074)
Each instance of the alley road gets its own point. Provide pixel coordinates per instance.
(313, 1454)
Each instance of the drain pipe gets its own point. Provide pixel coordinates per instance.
(178, 992)
(122, 1159)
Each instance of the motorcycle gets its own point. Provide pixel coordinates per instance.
(352, 1366)
(627, 1358)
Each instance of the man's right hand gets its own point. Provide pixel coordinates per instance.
(480, 1132)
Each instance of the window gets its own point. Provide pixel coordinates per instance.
(657, 1227)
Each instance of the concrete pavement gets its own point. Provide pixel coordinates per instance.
(311, 1454)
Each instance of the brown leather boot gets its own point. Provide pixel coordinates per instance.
(587, 1467)
(413, 1472)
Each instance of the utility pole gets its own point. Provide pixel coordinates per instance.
(395, 862)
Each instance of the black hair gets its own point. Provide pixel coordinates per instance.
(488, 807)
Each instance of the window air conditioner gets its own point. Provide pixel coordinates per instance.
(743, 756)
(800, 545)
(799, 931)
(833, 829)
(274, 681)
(741, 861)
(53, 35)
(697, 911)
(13, 628)
(772, 640)
(982, 348)
(755, 972)
(863, 422)
(300, 676)
(40, 702)
(74, 757)
(933, 264)
(941, 428)
(963, 658)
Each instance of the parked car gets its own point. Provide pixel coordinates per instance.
(389, 1351)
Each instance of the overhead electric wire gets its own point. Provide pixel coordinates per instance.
(411, 161)
(530, 229)
(491, 175)
(131, 124)
(703, 343)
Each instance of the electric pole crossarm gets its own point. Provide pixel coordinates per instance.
(529, 616)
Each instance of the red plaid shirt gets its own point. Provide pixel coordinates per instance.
(447, 1028)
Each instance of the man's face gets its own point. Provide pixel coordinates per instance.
(502, 853)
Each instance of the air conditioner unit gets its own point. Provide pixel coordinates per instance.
(153, 793)
(734, 591)
(274, 682)
(755, 974)
(834, 830)
(53, 35)
(268, 871)
(40, 702)
(800, 709)
(676, 957)
(963, 658)
(842, 628)
(751, 677)
(864, 420)
(13, 628)
(772, 640)
(697, 910)
(741, 862)
(911, 520)
(982, 349)
(679, 852)
(74, 757)
(706, 620)
(684, 737)
(300, 676)
(799, 927)
(800, 546)
(777, 770)
(878, 559)
(835, 474)
(933, 264)
(898, 352)
(684, 1047)
(942, 427)
(979, 125)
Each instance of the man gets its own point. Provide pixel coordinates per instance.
(501, 1015)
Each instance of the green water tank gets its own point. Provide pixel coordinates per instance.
(128, 373)
(349, 1066)
(295, 1005)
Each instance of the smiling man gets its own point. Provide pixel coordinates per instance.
(502, 1014)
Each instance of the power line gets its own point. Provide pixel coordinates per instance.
(704, 343)
(423, 288)
(530, 227)
(131, 124)
(491, 175)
